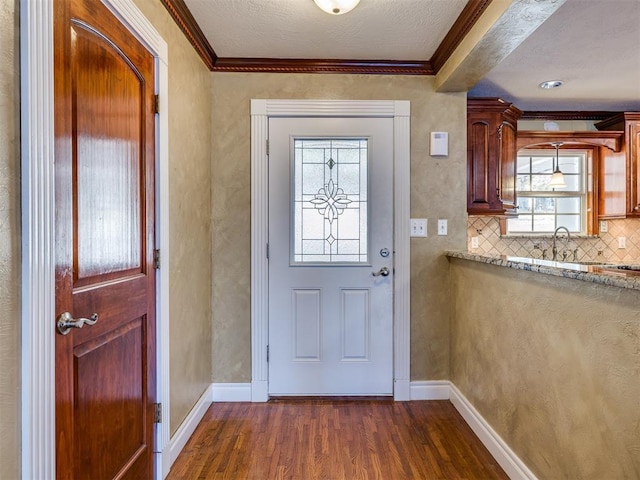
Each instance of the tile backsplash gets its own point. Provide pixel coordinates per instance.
(601, 248)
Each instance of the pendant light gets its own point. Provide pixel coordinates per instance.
(557, 179)
(337, 7)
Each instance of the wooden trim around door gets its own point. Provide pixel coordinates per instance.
(261, 110)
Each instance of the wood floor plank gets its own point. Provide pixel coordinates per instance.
(334, 439)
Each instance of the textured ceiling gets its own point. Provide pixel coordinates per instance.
(375, 30)
(592, 45)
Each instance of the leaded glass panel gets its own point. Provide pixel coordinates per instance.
(330, 197)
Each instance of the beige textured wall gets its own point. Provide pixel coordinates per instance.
(553, 365)
(9, 242)
(438, 189)
(190, 216)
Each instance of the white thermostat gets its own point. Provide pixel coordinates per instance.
(439, 144)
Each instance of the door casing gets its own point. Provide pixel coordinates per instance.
(38, 208)
(261, 110)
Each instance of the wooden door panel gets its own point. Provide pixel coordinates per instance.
(107, 157)
(116, 303)
(478, 154)
(105, 167)
(108, 374)
(507, 165)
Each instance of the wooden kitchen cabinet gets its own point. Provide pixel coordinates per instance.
(492, 127)
(629, 122)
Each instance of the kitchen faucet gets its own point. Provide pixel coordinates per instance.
(555, 235)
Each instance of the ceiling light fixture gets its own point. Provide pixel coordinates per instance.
(337, 7)
(557, 179)
(551, 84)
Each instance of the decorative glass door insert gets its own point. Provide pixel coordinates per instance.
(330, 196)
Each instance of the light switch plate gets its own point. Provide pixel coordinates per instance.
(604, 227)
(442, 226)
(418, 227)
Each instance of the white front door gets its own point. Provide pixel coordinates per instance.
(330, 231)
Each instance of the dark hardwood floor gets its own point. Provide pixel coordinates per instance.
(334, 439)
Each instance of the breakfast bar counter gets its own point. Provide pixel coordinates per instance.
(624, 276)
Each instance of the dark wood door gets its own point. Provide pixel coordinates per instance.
(104, 168)
(508, 157)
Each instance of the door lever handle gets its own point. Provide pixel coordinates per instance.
(383, 272)
(66, 322)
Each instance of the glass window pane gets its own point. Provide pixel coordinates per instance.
(540, 183)
(330, 200)
(525, 205)
(570, 164)
(312, 176)
(544, 205)
(524, 165)
(544, 223)
(524, 183)
(542, 165)
(572, 222)
(568, 205)
(573, 184)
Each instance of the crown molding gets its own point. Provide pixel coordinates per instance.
(567, 115)
(299, 65)
(187, 23)
(183, 17)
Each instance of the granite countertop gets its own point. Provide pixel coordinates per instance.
(587, 272)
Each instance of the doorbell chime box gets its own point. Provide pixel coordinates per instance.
(439, 144)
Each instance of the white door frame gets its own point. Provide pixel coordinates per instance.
(38, 231)
(261, 110)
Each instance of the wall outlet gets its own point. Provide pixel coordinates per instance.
(604, 226)
(474, 243)
(622, 242)
(418, 227)
(442, 226)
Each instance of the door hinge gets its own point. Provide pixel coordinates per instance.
(267, 251)
(156, 104)
(156, 258)
(267, 353)
(267, 147)
(157, 413)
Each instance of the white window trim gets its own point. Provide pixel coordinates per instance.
(582, 193)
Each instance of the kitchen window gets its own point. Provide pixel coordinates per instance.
(542, 209)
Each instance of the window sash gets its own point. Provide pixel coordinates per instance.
(534, 217)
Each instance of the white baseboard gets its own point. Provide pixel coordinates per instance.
(231, 392)
(508, 460)
(186, 429)
(431, 390)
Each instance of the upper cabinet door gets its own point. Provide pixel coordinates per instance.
(491, 156)
(629, 122)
